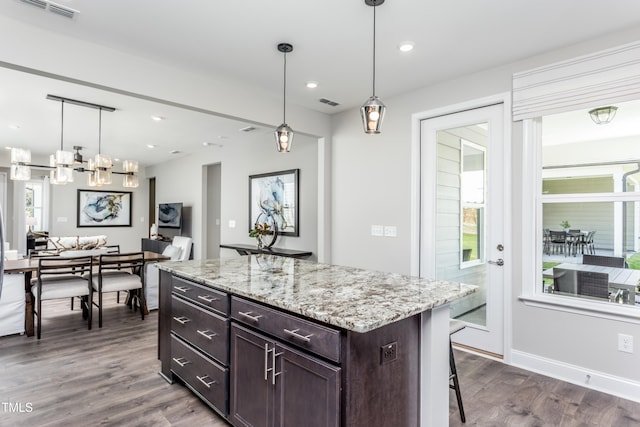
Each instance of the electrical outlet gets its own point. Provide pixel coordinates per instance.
(388, 353)
(625, 343)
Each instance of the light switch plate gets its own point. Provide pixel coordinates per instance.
(377, 230)
(232, 223)
(390, 231)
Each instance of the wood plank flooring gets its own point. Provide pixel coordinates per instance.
(109, 376)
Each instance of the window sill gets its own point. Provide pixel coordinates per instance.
(618, 312)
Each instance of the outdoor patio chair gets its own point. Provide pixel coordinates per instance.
(558, 241)
(565, 281)
(605, 261)
(593, 284)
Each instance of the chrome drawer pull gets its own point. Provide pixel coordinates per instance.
(182, 319)
(182, 288)
(207, 333)
(181, 361)
(249, 316)
(202, 379)
(207, 298)
(294, 334)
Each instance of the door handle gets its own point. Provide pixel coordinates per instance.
(499, 262)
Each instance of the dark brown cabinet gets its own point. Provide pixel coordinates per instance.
(274, 385)
(258, 365)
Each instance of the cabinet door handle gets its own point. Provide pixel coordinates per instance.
(207, 298)
(295, 334)
(248, 315)
(181, 361)
(182, 319)
(207, 333)
(182, 289)
(203, 380)
(266, 362)
(274, 374)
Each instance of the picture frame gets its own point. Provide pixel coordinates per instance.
(98, 208)
(170, 215)
(274, 196)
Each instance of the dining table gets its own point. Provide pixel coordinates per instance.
(619, 278)
(28, 266)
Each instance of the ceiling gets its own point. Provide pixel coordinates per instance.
(237, 39)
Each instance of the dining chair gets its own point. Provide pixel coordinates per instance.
(593, 284)
(179, 250)
(604, 261)
(565, 281)
(58, 278)
(546, 241)
(558, 240)
(119, 272)
(588, 244)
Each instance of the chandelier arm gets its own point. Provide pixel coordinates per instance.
(62, 125)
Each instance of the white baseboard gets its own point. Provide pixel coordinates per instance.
(578, 375)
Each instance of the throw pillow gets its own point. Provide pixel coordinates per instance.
(172, 252)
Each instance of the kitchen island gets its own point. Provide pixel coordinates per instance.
(267, 340)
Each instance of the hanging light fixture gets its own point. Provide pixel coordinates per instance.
(101, 165)
(372, 111)
(284, 134)
(62, 161)
(603, 115)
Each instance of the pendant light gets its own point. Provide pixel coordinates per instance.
(284, 134)
(372, 111)
(101, 165)
(62, 161)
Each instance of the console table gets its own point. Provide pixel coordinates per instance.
(252, 250)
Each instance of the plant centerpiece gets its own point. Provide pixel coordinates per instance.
(565, 225)
(259, 231)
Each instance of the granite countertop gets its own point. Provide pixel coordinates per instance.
(350, 298)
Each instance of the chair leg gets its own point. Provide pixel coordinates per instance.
(99, 309)
(456, 384)
(39, 316)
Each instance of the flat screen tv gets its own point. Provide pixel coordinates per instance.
(170, 215)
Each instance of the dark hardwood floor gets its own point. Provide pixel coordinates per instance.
(109, 376)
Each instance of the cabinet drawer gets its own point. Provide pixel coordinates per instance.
(202, 374)
(206, 330)
(302, 333)
(199, 294)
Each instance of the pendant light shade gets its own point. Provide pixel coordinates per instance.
(284, 134)
(62, 161)
(20, 159)
(130, 179)
(372, 111)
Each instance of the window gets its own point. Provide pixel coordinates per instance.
(472, 198)
(589, 205)
(34, 204)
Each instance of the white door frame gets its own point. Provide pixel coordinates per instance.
(416, 118)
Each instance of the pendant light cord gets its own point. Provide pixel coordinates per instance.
(62, 126)
(374, 49)
(100, 132)
(284, 101)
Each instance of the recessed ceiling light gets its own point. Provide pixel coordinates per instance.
(8, 148)
(157, 118)
(14, 127)
(312, 85)
(151, 146)
(406, 46)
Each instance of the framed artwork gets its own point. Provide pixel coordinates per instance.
(273, 198)
(104, 208)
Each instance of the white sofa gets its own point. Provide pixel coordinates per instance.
(178, 250)
(12, 305)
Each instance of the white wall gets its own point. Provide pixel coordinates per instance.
(181, 181)
(371, 185)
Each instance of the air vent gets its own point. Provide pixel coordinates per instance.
(329, 102)
(36, 3)
(53, 8)
(61, 10)
(248, 129)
